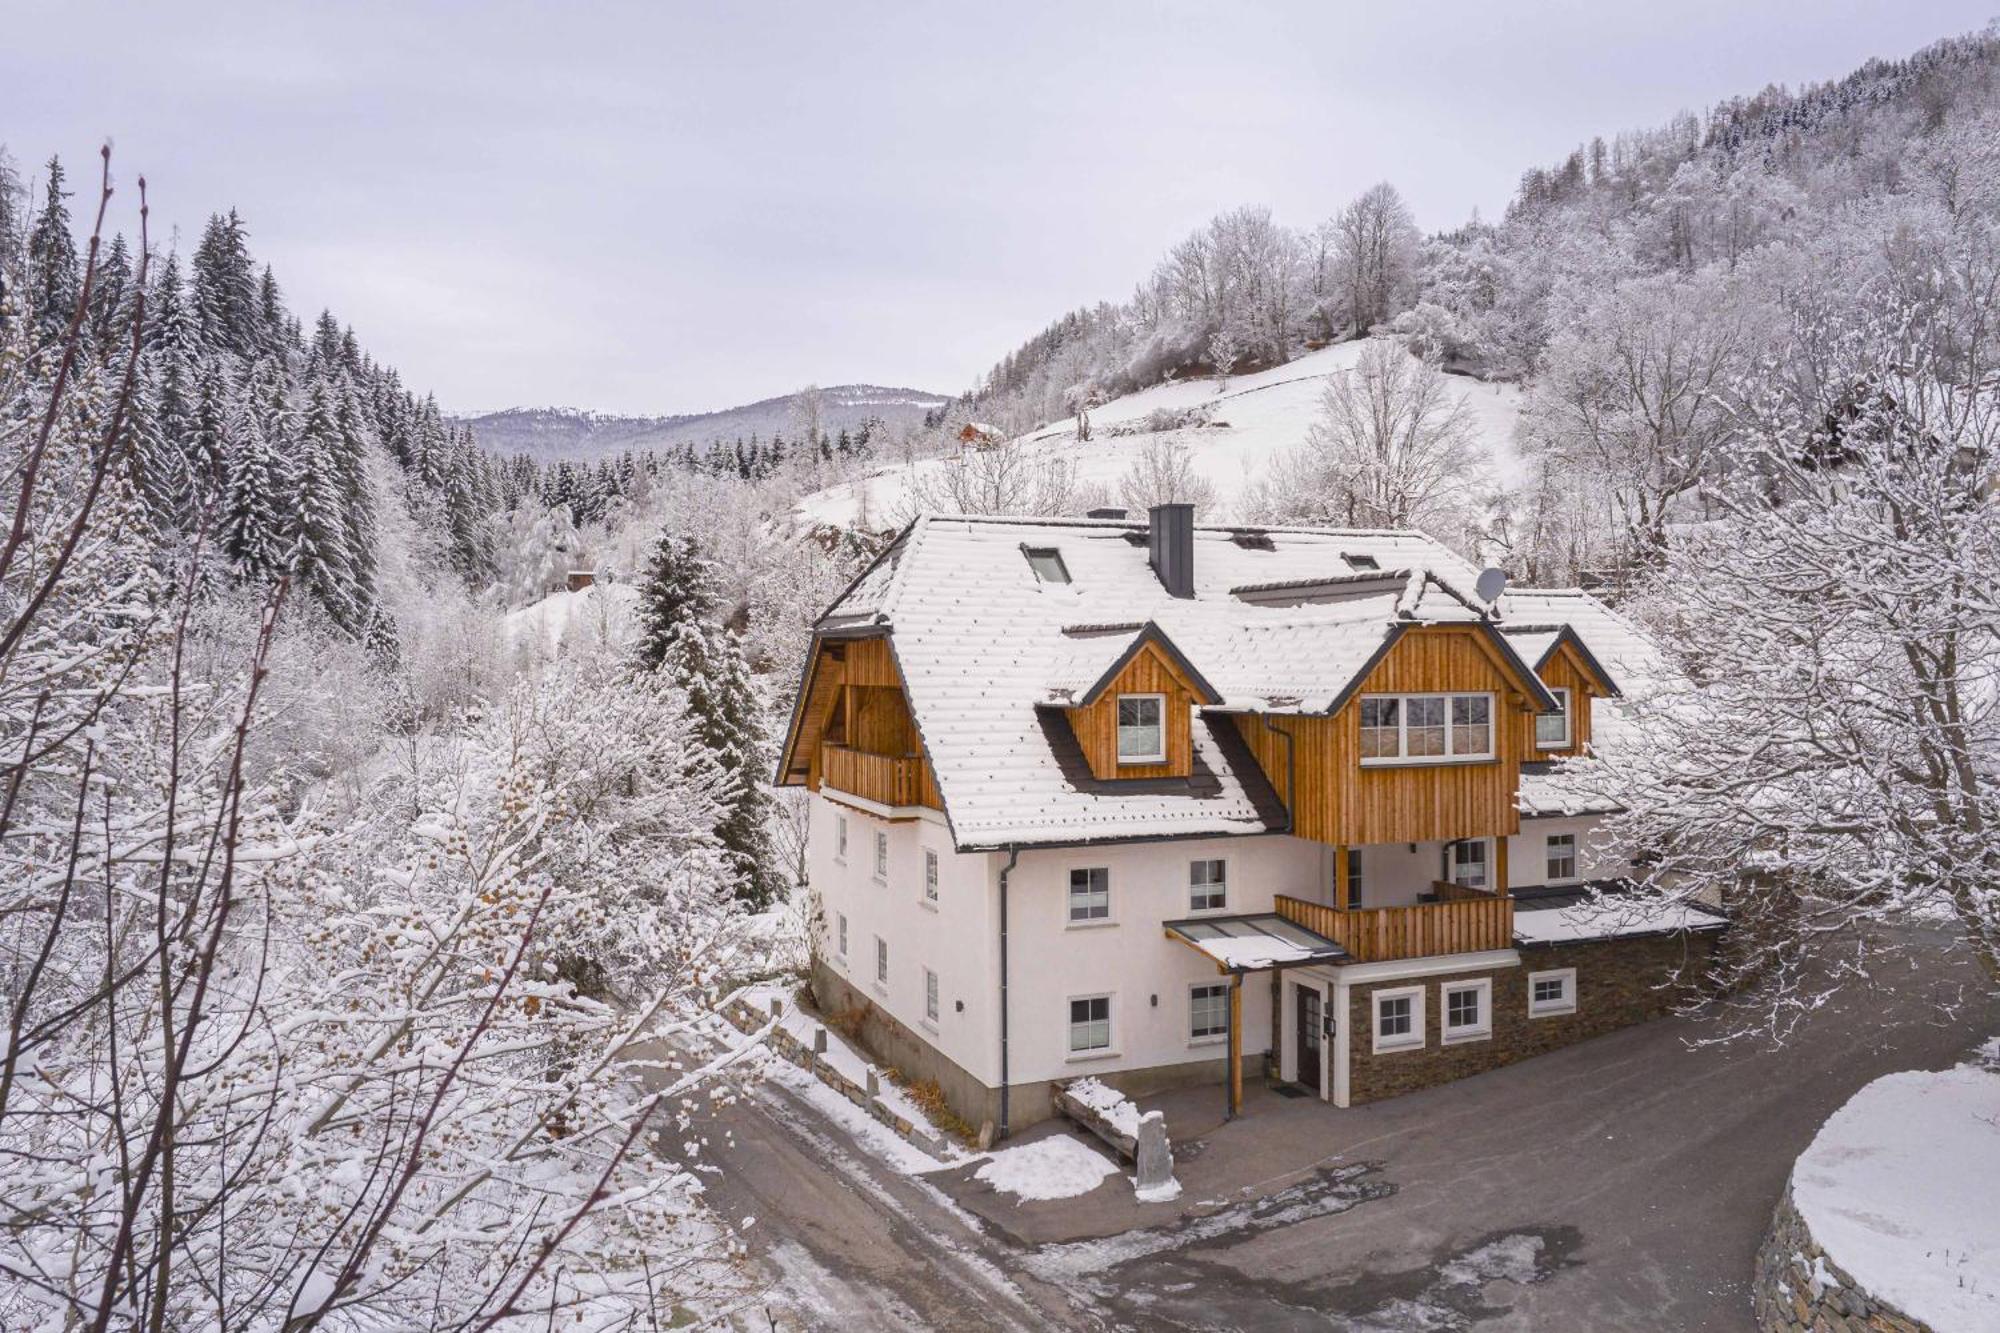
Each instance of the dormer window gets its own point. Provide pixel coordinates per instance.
(1552, 730)
(1356, 560)
(1142, 728)
(1426, 728)
(1047, 562)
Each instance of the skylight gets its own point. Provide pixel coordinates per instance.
(1356, 560)
(1047, 562)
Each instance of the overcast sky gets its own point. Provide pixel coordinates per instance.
(651, 208)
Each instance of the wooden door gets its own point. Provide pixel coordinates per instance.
(1309, 1038)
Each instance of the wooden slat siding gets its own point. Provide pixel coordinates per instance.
(1382, 934)
(1565, 671)
(878, 720)
(828, 676)
(882, 778)
(1096, 727)
(1342, 803)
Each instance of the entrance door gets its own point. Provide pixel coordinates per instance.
(1309, 1038)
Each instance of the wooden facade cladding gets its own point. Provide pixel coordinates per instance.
(1565, 670)
(1096, 726)
(855, 733)
(1340, 802)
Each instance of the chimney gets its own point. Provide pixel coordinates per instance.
(1107, 511)
(1170, 547)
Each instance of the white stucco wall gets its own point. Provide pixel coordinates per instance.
(1527, 851)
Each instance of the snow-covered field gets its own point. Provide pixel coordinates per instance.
(1251, 419)
(607, 612)
(1902, 1189)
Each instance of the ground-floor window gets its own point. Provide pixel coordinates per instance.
(1090, 1024)
(1209, 1011)
(840, 936)
(930, 995)
(1468, 1010)
(1552, 992)
(881, 961)
(1399, 1018)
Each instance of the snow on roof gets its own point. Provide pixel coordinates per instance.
(982, 643)
(1254, 943)
(1899, 1186)
(1575, 917)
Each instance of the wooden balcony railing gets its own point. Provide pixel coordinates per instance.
(1378, 934)
(888, 779)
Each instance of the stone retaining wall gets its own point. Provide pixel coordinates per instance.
(1798, 1289)
(747, 1019)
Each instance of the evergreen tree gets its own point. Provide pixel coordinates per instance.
(111, 297)
(252, 524)
(225, 288)
(322, 561)
(684, 642)
(170, 324)
(53, 275)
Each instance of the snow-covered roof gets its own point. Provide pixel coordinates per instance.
(1256, 943)
(1570, 918)
(989, 654)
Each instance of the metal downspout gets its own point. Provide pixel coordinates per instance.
(1291, 766)
(1013, 858)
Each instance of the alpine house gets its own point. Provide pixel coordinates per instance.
(1154, 803)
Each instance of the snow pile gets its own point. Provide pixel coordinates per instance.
(1900, 1189)
(1053, 1168)
(1118, 1110)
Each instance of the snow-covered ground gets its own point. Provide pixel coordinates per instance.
(1057, 1167)
(1251, 419)
(1902, 1189)
(606, 612)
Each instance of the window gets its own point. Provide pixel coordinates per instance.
(1142, 728)
(1562, 857)
(1208, 1011)
(930, 877)
(1552, 729)
(1047, 562)
(1399, 1019)
(1468, 1010)
(881, 961)
(1090, 1024)
(930, 995)
(1421, 728)
(1208, 886)
(840, 935)
(1468, 864)
(1090, 894)
(881, 855)
(1354, 877)
(1552, 993)
(840, 837)
(1356, 560)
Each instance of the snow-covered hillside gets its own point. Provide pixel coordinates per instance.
(606, 613)
(1248, 420)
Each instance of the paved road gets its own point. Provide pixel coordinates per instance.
(1621, 1184)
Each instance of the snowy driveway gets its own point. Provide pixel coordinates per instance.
(1620, 1184)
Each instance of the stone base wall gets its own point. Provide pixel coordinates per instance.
(1618, 983)
(1797, 1289)
(892, 1043)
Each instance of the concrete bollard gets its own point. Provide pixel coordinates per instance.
(1153, 1159)
(874, 1083)
(819, 1041)
(777, 1007)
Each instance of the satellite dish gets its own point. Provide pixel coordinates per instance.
(1492, 582)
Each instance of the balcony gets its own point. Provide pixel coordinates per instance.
(1465, 921)
(896, 781)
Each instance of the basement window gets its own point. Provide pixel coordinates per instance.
(1047, 562)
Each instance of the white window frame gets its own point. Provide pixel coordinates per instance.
(930, 898)
(840, 936)
(840, 839)
(1486, 860)
(1563, 693)
(1157, 755)
(1480, 1031)
(1403, 757)
(1070, 918)
(931, 1004)
(1549, 874)
(1417, 1038)
(1551, 1008)
(1219, 1035)
(882, 855)
(1110, 1047)
(881, 964)
(1215, 888)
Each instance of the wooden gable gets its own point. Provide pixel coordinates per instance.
(1151, 670)
(853, 730)
(1565, 668)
